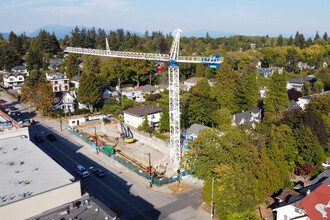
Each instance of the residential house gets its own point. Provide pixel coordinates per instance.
(194, 80)
(191, 82)
(58, 81)
(138, 94)
(297, 84)
(162, 87)
(303, 66)
(269, 71)
(67, 102)
(247, 118)
(131, 93)
(211, 81)
(13, 80)
(293, 106)
(325, 64)
(303, 101)
(55, 64)
(262, 92)
(309, 203)
(258, 64)
(20, 69)
(74, 82)
(192, 133)
(135, 116)
(108, 92)
(253, 46)
(184, 87)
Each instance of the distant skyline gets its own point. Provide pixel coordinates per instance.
(253, 17)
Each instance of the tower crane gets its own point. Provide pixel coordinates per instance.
(173, 58)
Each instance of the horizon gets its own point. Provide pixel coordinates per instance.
(254, 18)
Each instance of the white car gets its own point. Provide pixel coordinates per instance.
(326, 164)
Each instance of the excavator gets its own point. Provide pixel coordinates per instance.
(126, 134)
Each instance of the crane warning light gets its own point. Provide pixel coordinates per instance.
(159, 68)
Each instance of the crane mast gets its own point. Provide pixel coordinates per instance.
(173, 58)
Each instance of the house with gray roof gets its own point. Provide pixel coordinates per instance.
(55, 64)
(192, 133)
(135, 116)
(297, 83)
(20, 69)
(247, 118)
(74, 82)
(303, 101)
(269, 71)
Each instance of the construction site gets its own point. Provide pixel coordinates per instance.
(113, 137)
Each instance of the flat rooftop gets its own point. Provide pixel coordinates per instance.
(84, 208)
(26, 170)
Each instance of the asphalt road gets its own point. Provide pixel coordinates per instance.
(120, 188)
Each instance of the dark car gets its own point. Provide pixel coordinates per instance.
(38, 138)
(98, 172)
(2, 101)
(13, 108)
(18, 113)
(51, 137)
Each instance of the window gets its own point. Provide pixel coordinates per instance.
(56, 82)
(298, 210)
(20, 78)
(11, 79)
(55, 88)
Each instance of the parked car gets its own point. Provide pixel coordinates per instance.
(51, 137)
(38, 138)
(98, 172)
(2, 101)
(19, 121)
(81, 170)
(13, 108)
(326, 164)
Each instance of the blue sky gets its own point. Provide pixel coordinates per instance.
(250, 17)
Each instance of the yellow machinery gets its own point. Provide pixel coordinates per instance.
(126, 134)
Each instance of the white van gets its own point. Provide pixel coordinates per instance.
(81, 171)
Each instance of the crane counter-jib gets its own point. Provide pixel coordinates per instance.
(144, 56)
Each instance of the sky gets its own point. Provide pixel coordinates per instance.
(249, 17)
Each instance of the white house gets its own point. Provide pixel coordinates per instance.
(108, 92)
(262, 91)
(135, 116)
(298, 83)
(325, 64)
(11, 80)
(67, 103)
(58, 81)
(131, 93)
(303, 101)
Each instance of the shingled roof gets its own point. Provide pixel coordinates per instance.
(141, 110)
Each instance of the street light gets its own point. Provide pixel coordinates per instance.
(96, 145)
(212, 205)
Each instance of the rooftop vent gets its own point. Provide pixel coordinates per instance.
(11, 163)
(21, 163)
(14, 148)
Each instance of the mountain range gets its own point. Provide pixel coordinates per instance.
(61, 30)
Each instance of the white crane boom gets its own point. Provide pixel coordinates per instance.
(214, 61)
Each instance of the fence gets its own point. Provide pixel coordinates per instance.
(155, 180)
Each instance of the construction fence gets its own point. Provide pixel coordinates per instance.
(159, 181)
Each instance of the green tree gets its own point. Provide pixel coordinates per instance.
(44, 97)
(112, 107)
(324, 75)
(317, 36)
(145, 124)
(34, 59)
(276, 96)
(89, 90)
(318, 87)
(71, 66)
(310, 151)
(225, 87)
(279, 41)
(325, 36)
(222, 118)
(29, 88)
(164, 119)
(320, 104)
(306, 89)
(200, 70)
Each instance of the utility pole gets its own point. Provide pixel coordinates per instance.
(150, 170)
(212, 205)
(61, 123)
(96, 145)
